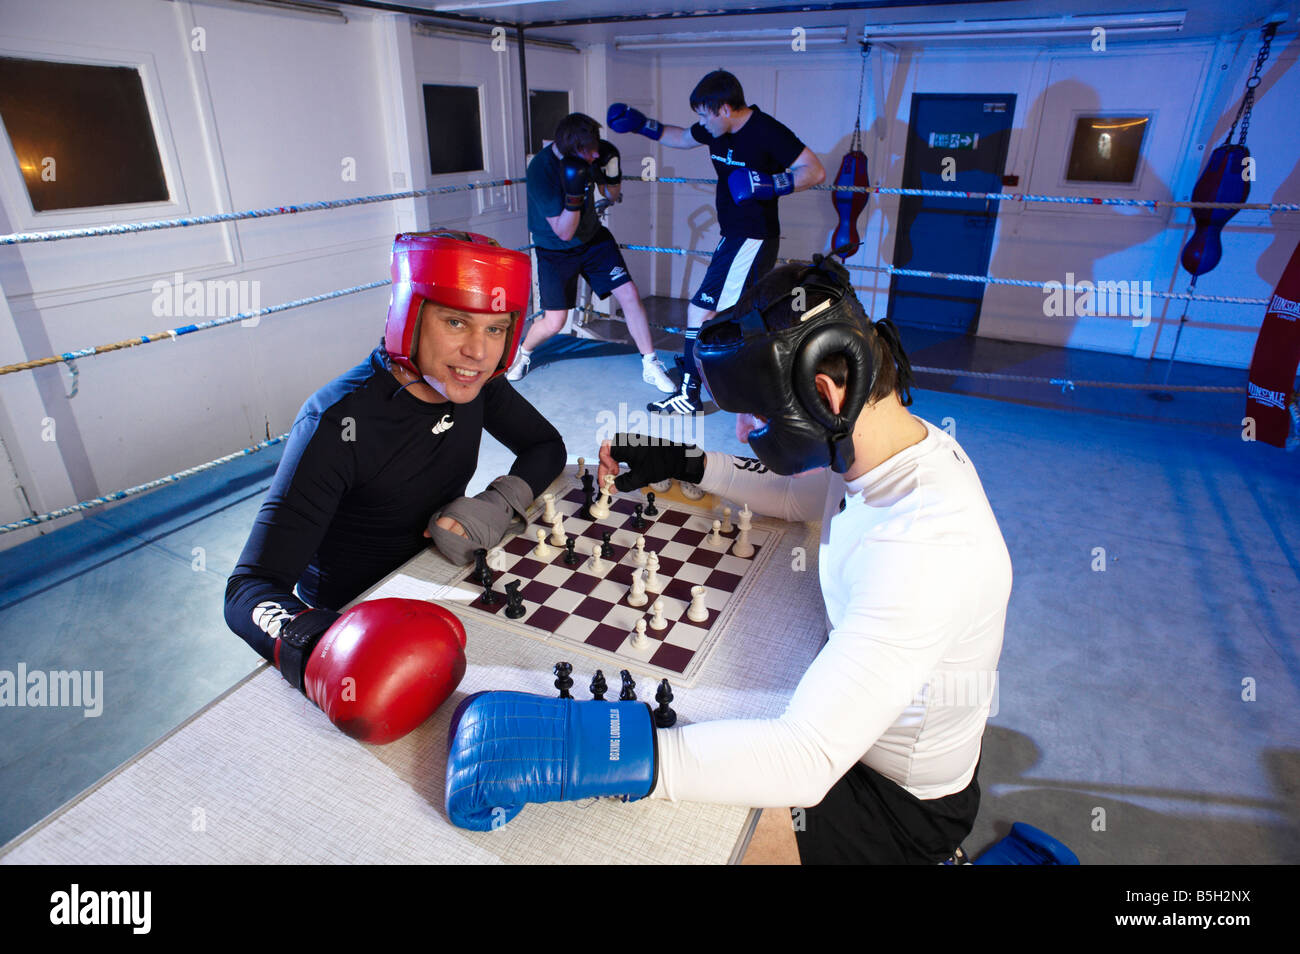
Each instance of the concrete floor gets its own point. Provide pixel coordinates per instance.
(1122, 728)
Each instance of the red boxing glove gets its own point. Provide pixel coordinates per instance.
(384, 666)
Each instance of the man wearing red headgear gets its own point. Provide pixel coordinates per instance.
(379, 459)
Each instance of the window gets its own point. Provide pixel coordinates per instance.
(82, 135)
(545, 110)
(453, 128)
(1106, 148)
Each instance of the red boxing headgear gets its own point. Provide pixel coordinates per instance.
(462, 270)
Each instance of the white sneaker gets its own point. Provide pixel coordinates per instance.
(519, 367)
(654, 372)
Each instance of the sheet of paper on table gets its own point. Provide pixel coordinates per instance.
(408, 587)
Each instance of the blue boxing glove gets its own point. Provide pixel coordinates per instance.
(747, 185)
(622, 118)
(510, 748)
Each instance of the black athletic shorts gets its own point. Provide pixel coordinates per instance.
(867, 819)
(737, 263)
(599, 261)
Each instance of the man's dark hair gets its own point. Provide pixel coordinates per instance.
(716, 90)
(575, 133)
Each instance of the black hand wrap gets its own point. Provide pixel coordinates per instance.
(651, 460)
(298, 637)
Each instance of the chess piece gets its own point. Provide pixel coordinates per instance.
(746, 517)
(489, 597)
(651, 510)
(652, 581)
(595, 565)
(665, 717)
(584, 512)
(480, 563)
(582, 466)
(726, 520)
(557, 530)
(638, 521)
(542, 551)
(606, 548)
(742, 547)
(571, 557)
(639, 558)
(636, 595)
(598, 686)
(548, 514)
(639, 638)
(563, 682)
(600, 509)
(628, 692)
(697, 612)
(514, 601)
(714, 539)
(657, 621)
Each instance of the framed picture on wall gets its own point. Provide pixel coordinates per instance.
(1107, 148)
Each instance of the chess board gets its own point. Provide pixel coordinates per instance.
(578, 609)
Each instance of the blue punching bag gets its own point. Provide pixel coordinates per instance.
(1026, 845)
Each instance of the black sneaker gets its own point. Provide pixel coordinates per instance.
(685, 401)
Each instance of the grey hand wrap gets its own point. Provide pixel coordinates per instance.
(486, 518)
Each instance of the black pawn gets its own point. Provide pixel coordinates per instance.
(571, 557)
(563, 681)
(628, 692)
(598, 686)
(665, 717)
(638, 521)
(489, 597)
(606, 548)
(514, 601)
(651, 510)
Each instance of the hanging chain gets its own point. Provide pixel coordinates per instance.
(862, 80)
(1248, 101)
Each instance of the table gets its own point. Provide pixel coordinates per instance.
(260, 776)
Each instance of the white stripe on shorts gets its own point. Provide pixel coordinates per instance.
(738, 272)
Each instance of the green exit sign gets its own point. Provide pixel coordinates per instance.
(954, 140)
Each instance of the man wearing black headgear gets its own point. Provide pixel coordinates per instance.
(879, 746)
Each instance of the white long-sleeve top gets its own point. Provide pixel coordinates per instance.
(916, 577)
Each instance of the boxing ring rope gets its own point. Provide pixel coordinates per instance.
(172, 334)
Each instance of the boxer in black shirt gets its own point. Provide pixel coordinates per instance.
(758, 160)
(379, 459)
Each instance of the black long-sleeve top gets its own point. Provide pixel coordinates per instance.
(365, 467)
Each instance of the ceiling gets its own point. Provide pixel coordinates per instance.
(565, 18)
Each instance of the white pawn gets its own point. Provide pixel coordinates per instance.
(596, 565)
(639, 637)
(697, 612)
(557, 530)
(582, 466)
(652, 581)
(715, 539)
(726, 520)
(542, 551)
(636, 596)
(657, 621)
(548, 515)
(639, 558)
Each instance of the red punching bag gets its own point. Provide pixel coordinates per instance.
(849, 205)
(1277, 355)
(1223, 180)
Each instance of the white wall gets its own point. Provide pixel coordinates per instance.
(1192, 87)
(265, 114)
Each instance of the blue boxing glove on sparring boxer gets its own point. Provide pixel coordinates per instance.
(622, 118)
(747, 185)
(511, 748)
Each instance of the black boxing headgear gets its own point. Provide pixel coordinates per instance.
(760, 357)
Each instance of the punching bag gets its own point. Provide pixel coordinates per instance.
(1223, 180)
(849, 205)
(1277, 355)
